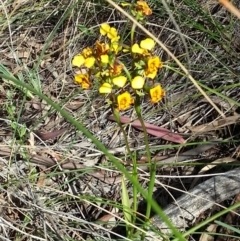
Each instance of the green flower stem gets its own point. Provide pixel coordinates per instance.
(153, 167)
(125, 70)
(150, 192)
(135, 192)
(139, 115)
(132, 33)
(117, 117)
(130, 229)
(174, 69)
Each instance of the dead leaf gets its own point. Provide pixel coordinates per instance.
(74, 105)
(31, 140)
(215, 125)
(106, 217)
(153, 130)
(205, 236)
(41, 179)
(50, 135)
(20, 54)
(212, 165)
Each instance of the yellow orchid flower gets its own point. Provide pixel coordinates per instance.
(83, 80)
(153, 64)
(124, 101)
(143, 8)
(79, 61)
(101, 48)
(116, 69)
(150, 74)
(114, 39)
(87, 52)
(111, 32)
(86, 85)
(156, 94)
(115, 47)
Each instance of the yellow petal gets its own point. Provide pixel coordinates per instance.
(78, 78)
(105, 59)
(116, 69)
(78, 60)
(106, 88)
(119, 81)
(83, 80)
(143, 8)
(115, 39)
(89, 62)
(115, 47)
(138, 82)
(104, 28)
(86, 85)
(136, 49)
(113, 33)
(154, 62)
(147, 43)
(124, 101)
(156, 94)
(151, 74)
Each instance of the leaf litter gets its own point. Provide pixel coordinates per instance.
(99, 181)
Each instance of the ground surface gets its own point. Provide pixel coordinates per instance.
(43, 200)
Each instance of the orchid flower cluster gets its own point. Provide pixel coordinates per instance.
(103, 66)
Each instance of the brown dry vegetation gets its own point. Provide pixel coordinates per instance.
(54, 183)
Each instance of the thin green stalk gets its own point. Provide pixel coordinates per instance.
(132, 33)
(237, 103)
(130, 229)
(135, 191)
(126, 208)
(153, 168)
(207, 221)
(125, 70)
(150, 193)
(151, 186)
(138, 111)
(117, 118)
(125, 33)
(174, 70)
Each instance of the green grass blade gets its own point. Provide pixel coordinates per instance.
(227, 226)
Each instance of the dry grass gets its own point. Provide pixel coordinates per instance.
(81, 199)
